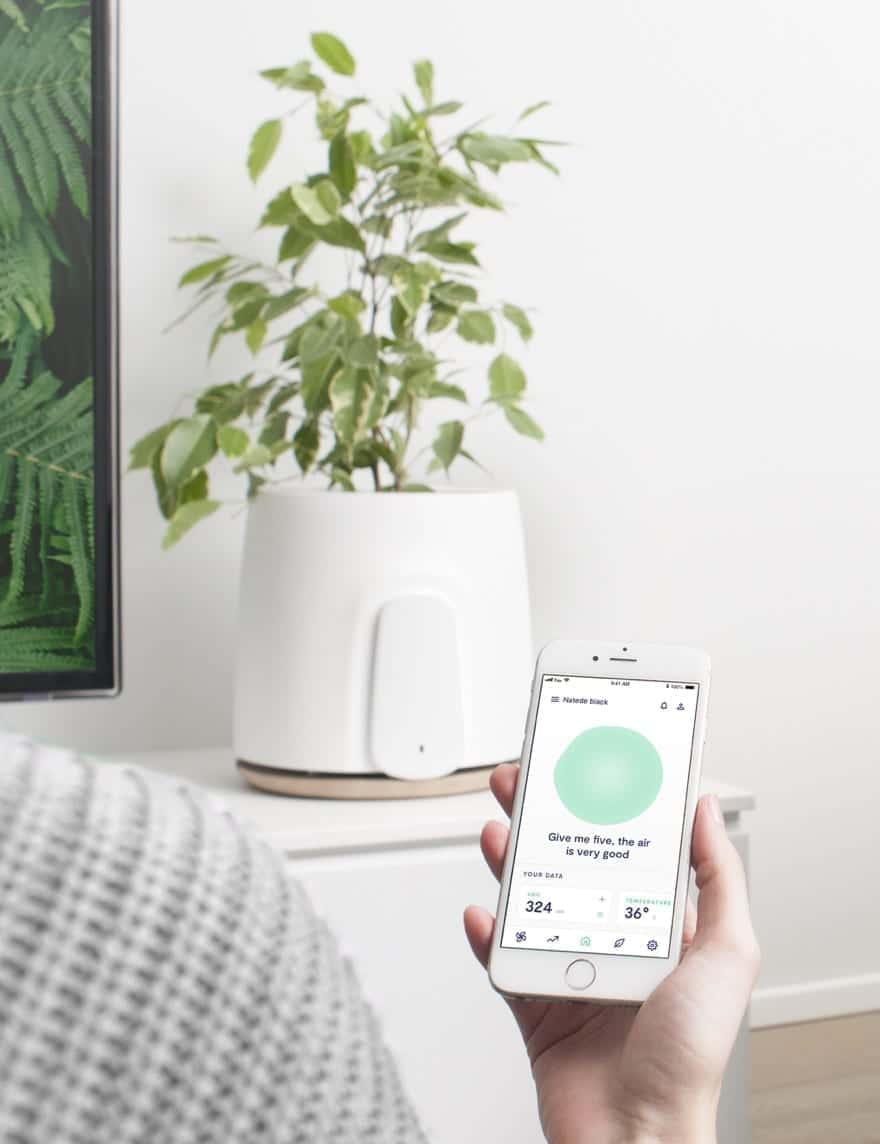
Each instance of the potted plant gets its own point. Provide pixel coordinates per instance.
(357, 371)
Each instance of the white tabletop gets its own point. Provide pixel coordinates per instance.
(304, 826)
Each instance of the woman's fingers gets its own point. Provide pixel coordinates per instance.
(502, 783)
(493, 843)
(478, 925)
(690, 923)
(724, 920)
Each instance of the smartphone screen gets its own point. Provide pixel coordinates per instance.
(597, 854)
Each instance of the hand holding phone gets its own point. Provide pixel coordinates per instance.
(616, 1073)
(593, 892)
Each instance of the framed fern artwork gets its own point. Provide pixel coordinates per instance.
(58, 592)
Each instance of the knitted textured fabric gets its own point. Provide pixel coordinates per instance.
(163, 980)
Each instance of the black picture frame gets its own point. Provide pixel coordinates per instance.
(106, 677)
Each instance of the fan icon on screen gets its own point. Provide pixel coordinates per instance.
(521, 935)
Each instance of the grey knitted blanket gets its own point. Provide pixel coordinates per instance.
(162, 979)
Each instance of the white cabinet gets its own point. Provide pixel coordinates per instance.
(398, 915)
(392, 879)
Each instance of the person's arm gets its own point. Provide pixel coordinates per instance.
(620, 1075)
(162, 977)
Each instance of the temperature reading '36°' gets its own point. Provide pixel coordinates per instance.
(538, 906)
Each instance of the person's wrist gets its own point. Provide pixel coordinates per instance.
(693, 1124)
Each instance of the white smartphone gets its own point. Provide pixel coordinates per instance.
(594, 887)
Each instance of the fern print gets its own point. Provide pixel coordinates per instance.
(45, 70)
(47, 513)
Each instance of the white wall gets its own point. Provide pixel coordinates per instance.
(706, 368)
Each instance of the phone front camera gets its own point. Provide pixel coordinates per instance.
(595, 659)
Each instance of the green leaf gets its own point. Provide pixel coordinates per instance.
(197, 239)
(426, 238)
(441, 317)
(223, 402)
(453, 252)
(186, 517)
(294, 243)
(281, 210)
(410, 290)
(316, 378)
(342, 165)
(190, 445)
(350, 392)
(255, 335)
(522, 423)
(400, 317)
(300, 77)
(493, 150)
(377, 405)
(255, 395)
(507, 381)
(518, 318)
(328, 196)
(448, 108)
(447, 443)
(232, 441)
(264, 144)
(167, 498)
(341, 232)
(254, 457)
(143, 451)
(413, 487)
(454, 293)
(204, 270)
(283, 303)
(539, 157)
(342, 478)
(274, 430)
(387, 265)
(533, 109)
(333, 52)
(255, 483)
(306, 442)
(240, 292)
(349, 304)
(319, 339)
(246, 313)
(11, 9)
(476, 326)
(423, 70)
(306, 198)
(362, 146)
(378, 224)
(282, 396)
(444, 389)
(363, 351)
(220, 332)
(196, 488)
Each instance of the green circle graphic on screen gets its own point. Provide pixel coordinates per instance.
(608, 775)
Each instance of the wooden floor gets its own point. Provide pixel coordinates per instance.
(817, 1083)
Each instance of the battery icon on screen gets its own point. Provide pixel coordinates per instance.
(690, 686)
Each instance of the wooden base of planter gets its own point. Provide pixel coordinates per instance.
(308, 784)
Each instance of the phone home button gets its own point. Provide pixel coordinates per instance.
(580, 974)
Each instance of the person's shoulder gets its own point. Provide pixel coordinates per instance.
(103, 796)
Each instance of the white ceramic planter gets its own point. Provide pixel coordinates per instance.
(382, 633)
